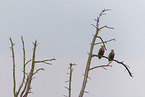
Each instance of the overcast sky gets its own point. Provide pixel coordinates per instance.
(63, 30)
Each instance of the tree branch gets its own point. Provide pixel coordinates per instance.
(14, 75)
(101, 66)
(24, 87)
(101, 14)
(94, 26)
(102, 42)
(118, 63)
(88, 76)
(28, 62)
(32, 70)
(105, 41)
(24, 66)
(106, 27)
(38, 70)
(45, 61)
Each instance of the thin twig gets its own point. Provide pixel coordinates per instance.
(93, 25)
(101, 14)
(64, 95)
(105, 41)
(106, 27)
(86, 91)
(48, 60)
(88, 76)
(25, 73)
(28, 62)
(24, 66)
(45, 61)
(38, 70)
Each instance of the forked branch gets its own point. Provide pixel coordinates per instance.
(26, 81)
(31, 71)
(103, 66)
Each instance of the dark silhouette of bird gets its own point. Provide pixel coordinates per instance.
(101, 52)
(111, 55)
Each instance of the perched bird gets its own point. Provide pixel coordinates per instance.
(101, 52)
(111, 55)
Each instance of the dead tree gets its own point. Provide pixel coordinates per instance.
(70, 79)
(25, 87)
(91, 55)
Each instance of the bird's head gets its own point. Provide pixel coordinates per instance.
(112, 50)
(102, 46)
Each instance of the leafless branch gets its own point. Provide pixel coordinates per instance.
(45, 61)
(28, 62)
(38, 70)
(14, 75)
(86, 91)
(66, 81)
(118, 63)
(64, 95)
(93, 25)
(32, 70)
(102, 13)
(88, 76)
(24, 66)
(102, 42)
(105, 41)
(105, 27)
(67, 88)
(108, 65)
(24, 87)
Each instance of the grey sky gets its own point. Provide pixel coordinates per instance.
(63, 30)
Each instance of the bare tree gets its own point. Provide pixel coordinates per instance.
(25, 87)
(91, 55)
(70, 79)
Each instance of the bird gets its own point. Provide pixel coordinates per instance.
(111, 55)
(101, 52)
